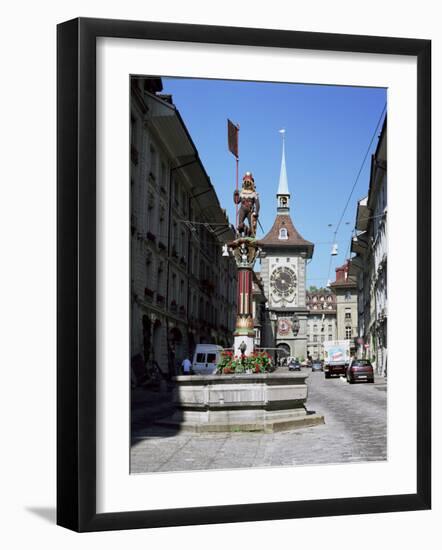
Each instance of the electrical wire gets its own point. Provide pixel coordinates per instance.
(356, 181)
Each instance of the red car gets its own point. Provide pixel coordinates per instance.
(360, 369)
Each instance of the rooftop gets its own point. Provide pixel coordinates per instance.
(293, 238)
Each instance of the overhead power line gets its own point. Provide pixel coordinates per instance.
(356, 181)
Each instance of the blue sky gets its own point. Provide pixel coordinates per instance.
(328, 130)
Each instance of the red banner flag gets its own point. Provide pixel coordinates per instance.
(232, 136)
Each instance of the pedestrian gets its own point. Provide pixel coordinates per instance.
(186, 366)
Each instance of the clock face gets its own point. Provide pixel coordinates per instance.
(283, 281)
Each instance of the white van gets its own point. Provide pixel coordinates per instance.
(206, 358)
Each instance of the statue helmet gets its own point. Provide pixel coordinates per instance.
(248, 176)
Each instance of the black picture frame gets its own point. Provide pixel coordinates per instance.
(76, 272)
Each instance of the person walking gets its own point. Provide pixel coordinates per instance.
(186, 366)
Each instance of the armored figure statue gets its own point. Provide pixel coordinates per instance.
(249, 209)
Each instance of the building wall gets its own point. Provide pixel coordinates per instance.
(371, 262)
(380, 251)
(183, 290)
(346, 313)
(321, 322)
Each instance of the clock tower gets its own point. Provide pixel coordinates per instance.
(283, 269)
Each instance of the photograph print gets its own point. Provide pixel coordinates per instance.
(258, 244)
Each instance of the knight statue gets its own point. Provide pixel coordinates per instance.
(249, 209)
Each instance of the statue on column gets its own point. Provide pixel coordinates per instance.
(249, 209)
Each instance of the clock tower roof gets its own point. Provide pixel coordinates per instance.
(284, 234)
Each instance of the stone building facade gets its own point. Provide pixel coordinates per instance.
(345, 290)
(183, 290)
(370, 261)
(321, 321)
(283, 270)
(259, 301)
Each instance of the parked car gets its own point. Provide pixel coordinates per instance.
(316, 366)
(335, 369)
(360, 369)
(293, 364)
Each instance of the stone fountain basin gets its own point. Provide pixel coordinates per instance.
(242, 402)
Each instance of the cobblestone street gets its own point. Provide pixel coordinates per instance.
(355, 430)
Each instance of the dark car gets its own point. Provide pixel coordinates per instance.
(360, 369)
(316, 366)
(335, 369)
(293, 364)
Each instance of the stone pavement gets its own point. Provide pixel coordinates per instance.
(355, 431)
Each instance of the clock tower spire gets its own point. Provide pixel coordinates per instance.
(284, 258)
(283, 194)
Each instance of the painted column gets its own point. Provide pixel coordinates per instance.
(245, 251)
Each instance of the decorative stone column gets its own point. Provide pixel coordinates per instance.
(245, 251)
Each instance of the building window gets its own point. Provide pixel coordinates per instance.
(133, 129)
(163, 176)
(348, 295)
(182, 296)
(283, 233)
(153, 163)
(283, 203)
(347, 333)
(347, 314)
(174, 287)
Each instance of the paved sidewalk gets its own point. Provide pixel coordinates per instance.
(355, 431)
